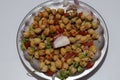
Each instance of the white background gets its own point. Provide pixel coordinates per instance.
(13, 11)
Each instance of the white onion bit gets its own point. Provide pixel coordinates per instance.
(61, 41)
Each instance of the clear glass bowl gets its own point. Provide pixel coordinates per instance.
(101, 43)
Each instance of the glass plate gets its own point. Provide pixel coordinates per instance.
(101, 43)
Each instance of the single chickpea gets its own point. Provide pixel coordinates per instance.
(89, 17)
(36, 18)
(69, 61)
(30, 51)
(48, 9)
(65, 66)
(37, 30)
(53, 28)
(37, 55)
(51, 21)
(68, 26)
(46, 31)
(53, 11)
(95, 25)
(72, 39)
(51, 16)
(93, 48)
(63, 51)
(45, 68)
(60, 11)
(65, 20)
(26, 34)
(41, 45)
(37, 40)
(58, 16)
(77, 59)
(58, 64)
(78, 21)
(45, 14)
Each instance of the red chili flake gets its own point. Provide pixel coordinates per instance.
(89, 43)
(83, 33)
(56, 21)
(49, 73)
(80, 14)
(70, 55)
(27, 44)
(66, 14)
(89, 65)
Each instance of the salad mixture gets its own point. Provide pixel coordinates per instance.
(61, 40)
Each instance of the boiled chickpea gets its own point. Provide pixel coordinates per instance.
(58, 16)
(55, 57)
(37, 40)
(85, 38)
(78, 50)
(58, 64)
(69, 61)
(36, 55)
(68, 48)
(65, 20)
(41, 65)
(45, 14)
(36, 18)
(51, 21)
(41, 45)
(47, 62)
(60, 11)
(53, 11)
(83, 63)
(51, 16)
(94, 25)
(32, 44)
(35, 24)
(73, 70)
(43, 27)
(78, 37)
(56, 51)
(72, 39)
(47, 51)
(68, 26)
(30, 51)
(53, 68)
(41, 52)
(32, 34)
(53, 28)
(37, 30)
(89, 17)
(73, 32)
(63, 51)
(82, 16)
(77, 59)
(93, 48)
(90, 54)
(82, 28)
(26, 34)
(66, 33)
(74, 13)
(46, 31)
(40, 14)
(87, 25)
(78, 21)
(48, 9)
(45, 68)
(65, 66)
(74, 47)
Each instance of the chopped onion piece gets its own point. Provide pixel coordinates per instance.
(61, 41)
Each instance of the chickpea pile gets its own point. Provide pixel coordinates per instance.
(50, 24)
